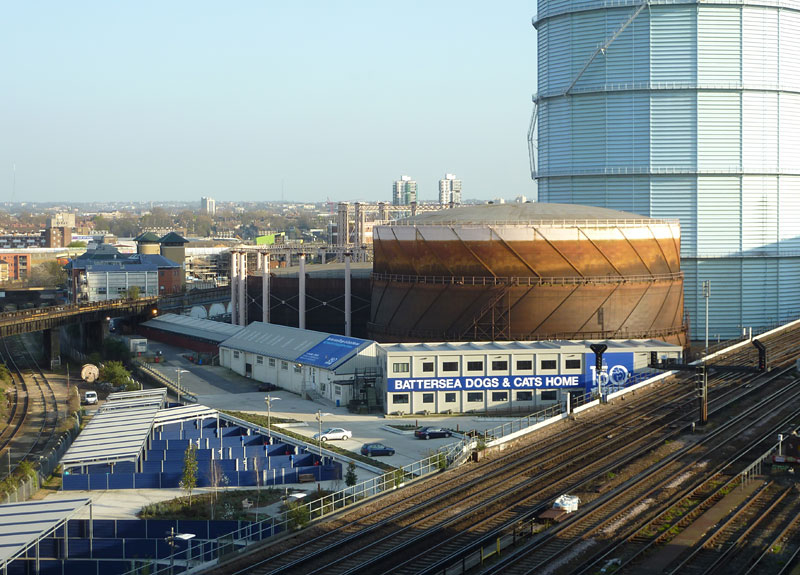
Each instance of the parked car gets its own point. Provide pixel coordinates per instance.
(267, 387)
(431, 432)
(90, 398)
(334, 433)
(371, 449)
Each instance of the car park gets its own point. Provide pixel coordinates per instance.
(334, 433)
(432, 432)
(372, 449)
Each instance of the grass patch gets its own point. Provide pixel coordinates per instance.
(262, 421)
(228, 505)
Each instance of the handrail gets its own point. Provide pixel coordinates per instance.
(524, 280)
(444, 335)
(550, 222)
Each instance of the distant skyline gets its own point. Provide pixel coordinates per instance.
(155, 101)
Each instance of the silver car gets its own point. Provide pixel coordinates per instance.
(334, 433)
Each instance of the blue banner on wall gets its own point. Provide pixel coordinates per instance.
(330, 351)
(617, 371)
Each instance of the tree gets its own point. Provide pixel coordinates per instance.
(134, 292)
(350, 478)
(189, 478)
(76, 244)
(115, 373)
(48, 274)
(73, 400)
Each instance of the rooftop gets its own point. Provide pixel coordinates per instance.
(206, 329)
(614, 345)
(522, 213)
(304, 346)
(23, 524)
(117, 431)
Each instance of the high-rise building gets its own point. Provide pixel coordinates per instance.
(404, 191)
(449, 190)
(685, 110)
(208, 206)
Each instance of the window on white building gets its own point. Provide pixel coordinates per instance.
(400, 367)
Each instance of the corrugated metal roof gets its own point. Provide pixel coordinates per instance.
(183, 413)
(116, 432)
(534, 346)
(289, 343)
(194, 327)
(23, 524)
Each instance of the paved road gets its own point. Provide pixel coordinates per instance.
(221, 388)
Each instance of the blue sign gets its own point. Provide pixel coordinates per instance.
(330, 351)
(617, 371)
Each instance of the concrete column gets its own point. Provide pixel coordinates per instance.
(52, 344)
(265, 289)
(347, 295)
(243, 289)
(301, 296)
(234, 277)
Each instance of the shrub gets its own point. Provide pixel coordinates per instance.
(298, 515)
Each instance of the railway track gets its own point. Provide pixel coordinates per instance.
(372, 541)
(627, 525)
(34, 423)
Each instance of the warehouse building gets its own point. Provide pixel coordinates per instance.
(310, 363)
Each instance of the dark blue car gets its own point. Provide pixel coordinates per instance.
(432, 432)
(376, 449)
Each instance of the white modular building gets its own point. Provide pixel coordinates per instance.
(310, 363)
(682, 109)
(464, 377)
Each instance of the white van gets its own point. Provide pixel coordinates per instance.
(90, 398)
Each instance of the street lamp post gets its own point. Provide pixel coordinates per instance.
(179, 371)
(706, 295)
(171, 542)
(268, 400)
(320, 415)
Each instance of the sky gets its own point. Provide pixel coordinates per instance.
(264, 100)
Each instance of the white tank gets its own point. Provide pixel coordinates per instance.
(686, 110)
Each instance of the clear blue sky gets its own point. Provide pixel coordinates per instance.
(153, 100)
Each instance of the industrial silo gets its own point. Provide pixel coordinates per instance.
(527, 272)
(689, 110)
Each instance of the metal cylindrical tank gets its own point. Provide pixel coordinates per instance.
(527, 271)
(689, 110)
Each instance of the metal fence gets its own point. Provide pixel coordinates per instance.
(298, 513)
(47, 463)
(160, 379)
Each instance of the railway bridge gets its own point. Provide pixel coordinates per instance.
(93, 315)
